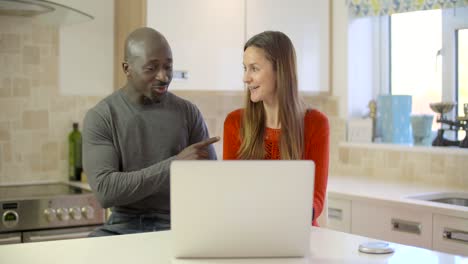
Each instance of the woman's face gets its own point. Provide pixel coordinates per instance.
(259, 76)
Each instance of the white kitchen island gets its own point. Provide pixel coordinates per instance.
(327, 246)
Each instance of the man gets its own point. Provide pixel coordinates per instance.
(131, 137)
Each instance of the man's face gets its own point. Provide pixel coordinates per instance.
(150, 72)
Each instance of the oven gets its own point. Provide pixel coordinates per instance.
(45, 212)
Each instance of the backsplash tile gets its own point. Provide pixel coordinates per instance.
(10, 43)
(21, 87)
(34, 118)
(33, 160)
(4, 134)
(31, 55)
(6, 155)
(5, 88)
(1, 157)
(424, 166)
(49, 156)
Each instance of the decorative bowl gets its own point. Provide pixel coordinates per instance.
(442, 107)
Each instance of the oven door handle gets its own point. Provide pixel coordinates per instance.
(10, 240)
(39, 238)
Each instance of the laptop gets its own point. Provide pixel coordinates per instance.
(241, 209)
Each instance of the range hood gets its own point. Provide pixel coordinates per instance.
(45, 11)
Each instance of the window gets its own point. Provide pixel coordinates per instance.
(462, 75)
(416, 40)
(462, 72)
(428, 57)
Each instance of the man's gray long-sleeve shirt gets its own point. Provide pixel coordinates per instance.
(128, 148)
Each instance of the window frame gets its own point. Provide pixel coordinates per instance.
(452, 20)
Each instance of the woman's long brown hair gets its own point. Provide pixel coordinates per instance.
(279, 50)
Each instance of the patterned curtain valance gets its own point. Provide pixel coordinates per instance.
(362, 8)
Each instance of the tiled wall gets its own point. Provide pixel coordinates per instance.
(437, 166)
(34, 119)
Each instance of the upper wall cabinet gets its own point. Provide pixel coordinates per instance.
(206, 37)
(86, 50)
(306, 22)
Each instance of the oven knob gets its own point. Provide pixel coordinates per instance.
(75, 213)
(88, 212)
(10, 219)
(62, 214)
(50, 214)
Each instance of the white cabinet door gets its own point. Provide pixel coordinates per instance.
(206, 37)
(450, 234)
(395, 224)
(339, 214)
(86, 50)
(306, 22)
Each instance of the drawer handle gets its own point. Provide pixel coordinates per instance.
(40, 238)
(456, 235)
(335, 213)
(10, 240)
(406, 226)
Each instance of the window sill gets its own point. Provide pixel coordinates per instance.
(407, 148)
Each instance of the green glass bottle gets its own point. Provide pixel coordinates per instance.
(75, 166)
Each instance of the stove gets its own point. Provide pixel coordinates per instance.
(42, 212)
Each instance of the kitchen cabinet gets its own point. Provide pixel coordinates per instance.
(399, 223)
(306, 22)
(397, 211)
(86, 50)
(450, 234)
(339, 214)
(128, 16)
(392, 223)
(207, 38)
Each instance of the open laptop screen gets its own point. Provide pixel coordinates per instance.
(241, 208)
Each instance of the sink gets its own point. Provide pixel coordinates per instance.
(454, 201)
(452, 198)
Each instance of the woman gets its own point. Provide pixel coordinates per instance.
(274, 123)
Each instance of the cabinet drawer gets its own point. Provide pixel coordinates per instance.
(339, 214)
(395, 224)
(450, 234)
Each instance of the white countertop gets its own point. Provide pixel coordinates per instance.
(407, 148)
(79, 184)
(377, 190)
(366, 188)
(327, 246)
